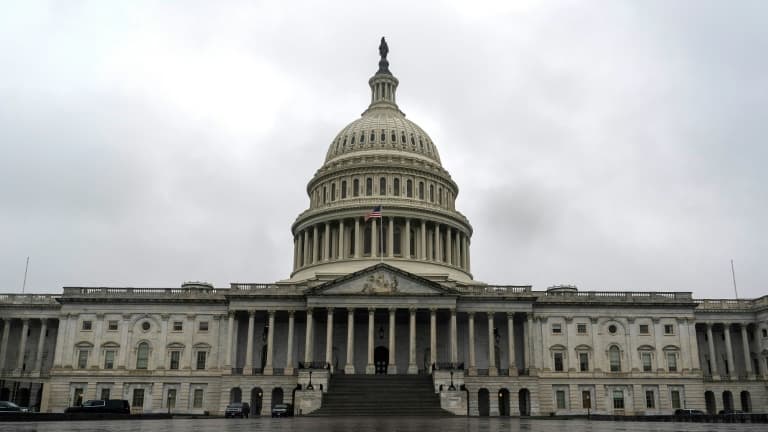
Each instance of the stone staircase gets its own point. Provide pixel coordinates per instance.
(380, 395)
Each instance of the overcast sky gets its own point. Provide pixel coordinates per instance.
(612, 145)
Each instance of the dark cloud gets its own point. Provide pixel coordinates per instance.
(615, 147)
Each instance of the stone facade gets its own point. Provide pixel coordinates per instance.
(390, 295)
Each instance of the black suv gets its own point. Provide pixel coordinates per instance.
(237, 409)
(114, 406)
(282, 410)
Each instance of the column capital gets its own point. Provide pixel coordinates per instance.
(25, 320)
(126, 316)
(510, 315)
(471, 314)
(218, 317)
(412, 310)
(568, 319)
(165, 317)
(271, 313)
(251, 313)
(100, 315)
(330, 311)
(291, 313)
(594, 320)
(310, 310)
(392, 310)
(490, 314)
(432, 310)
(371, 310)
(191, 317)
(453, 311)
(231, 314)
(727, 326)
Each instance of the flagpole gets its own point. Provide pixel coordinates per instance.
(381, 234)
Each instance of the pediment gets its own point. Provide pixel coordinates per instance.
(381, 280)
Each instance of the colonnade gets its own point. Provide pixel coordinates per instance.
(18, 365)
(402, 237)
(730, 365)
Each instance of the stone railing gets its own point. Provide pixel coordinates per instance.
(263, 289)
(612, 296)
(140, 292)
(29, 299)
(729, 304)
(494, 290)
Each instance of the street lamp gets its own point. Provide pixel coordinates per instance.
(452, 387)
(310, 386)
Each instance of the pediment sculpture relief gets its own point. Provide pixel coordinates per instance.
(380, 283)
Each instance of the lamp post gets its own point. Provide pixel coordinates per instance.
(310, 386)
(589, 404)
(452, 387)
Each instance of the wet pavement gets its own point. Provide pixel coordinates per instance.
(373, 424)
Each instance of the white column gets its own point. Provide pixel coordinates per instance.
(248, 368)
(465, 252)
(22, 344)
(124, 348)
(423, 233)
(432, 337)
(472, 370)
(448, 232)
(712, 354)
(374, 238)
(459, 262)
(315, 245)
(41, 344)
(327, 242)
(4, 345)
(289, 350)
(98, 330)
(349, 368)
(693, 344)
(391, 237)
(305, 249)
(163, 339)
(370, 368)
(341, 251)
(454, 339)
(412, 368)
(329, 338)
(358, 245)
(729, 351)
(295, 252)
(492, 369)
(437, 255)
(406, 248)
(308, 340)
(511, 343)
(230, 339)
(268, 366)
(392, 367)
(747, 355)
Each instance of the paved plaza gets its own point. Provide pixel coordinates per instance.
(373, 424)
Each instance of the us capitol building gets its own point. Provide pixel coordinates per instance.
(382, 312)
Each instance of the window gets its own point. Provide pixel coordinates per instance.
(109, 360)
(675, 396)
(645, 357)
(560, 398)
(112, 325)
(333, 191)
(431, 193)
(175, 358)
(618, 399)
(765, 332)
(178, 326)
(396, 187)
(581, 329)
(557, 328)
(672, 362)
(197, 399)
(584, 362)
(82, 359)
(142, 356)
(145, 326)
(104, 393)
(644, 329)
(343, 189)
(356, 187)
(669, 329)
(77, 397)
(87, 325)
(368, 186)
(202, 326)
(586, 399)
(325, 194)
(612, 329)
(409, 192)
(201, 359)
(614, 357)
(138, 398)
(650, 399)
(558, 361)
(383, 186)
(421, 190)
(171, 398)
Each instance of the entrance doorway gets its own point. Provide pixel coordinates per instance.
(709, 399)
(504, 402)
(524, 398)
(483, 403)
(381, 359)
(256, 396)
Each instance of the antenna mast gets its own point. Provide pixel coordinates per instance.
(24, 285)
(733, 274)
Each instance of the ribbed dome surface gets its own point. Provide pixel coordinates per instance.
(383, 129)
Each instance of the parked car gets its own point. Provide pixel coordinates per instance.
(282, 410)
(731, 412)
(237, 409)
(114, 406)
(10, 407)
(686, 412)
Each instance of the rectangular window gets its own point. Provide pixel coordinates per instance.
(203, 326)
(87, 325)
(647, 363)
(675, 396)
(672, 362)
(586, 399)
(138, 398)
(109, 359)
(650, 399)
(105, 393)
(558, 361)
(175, 357)
(618, 399)
(584, 362)
(201, 359)
(669, 329)
(178, 326)
(560, 397)
(557, 329)
(644, 329)
(581, 329)
(82, 359)
(112, 325)
(197, 399)
(343, 189)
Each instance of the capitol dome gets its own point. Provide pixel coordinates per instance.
(382, 160)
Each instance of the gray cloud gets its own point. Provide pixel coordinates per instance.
(616, 146)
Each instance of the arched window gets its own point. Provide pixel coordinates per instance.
(421, 190)
(333, 191)
(432, 193)
(394, 137)
(352, 141)
(396, 187)
(369, 186)
(362, 137)
(356, 187)
(614, 357)
(142, 356)
(343, 189)
(383, 186)
(383, 136)
(440, 196)
(325, 193)
(409, 188)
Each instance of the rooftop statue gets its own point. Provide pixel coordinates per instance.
(383, 63)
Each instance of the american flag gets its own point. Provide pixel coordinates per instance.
(373, 214)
